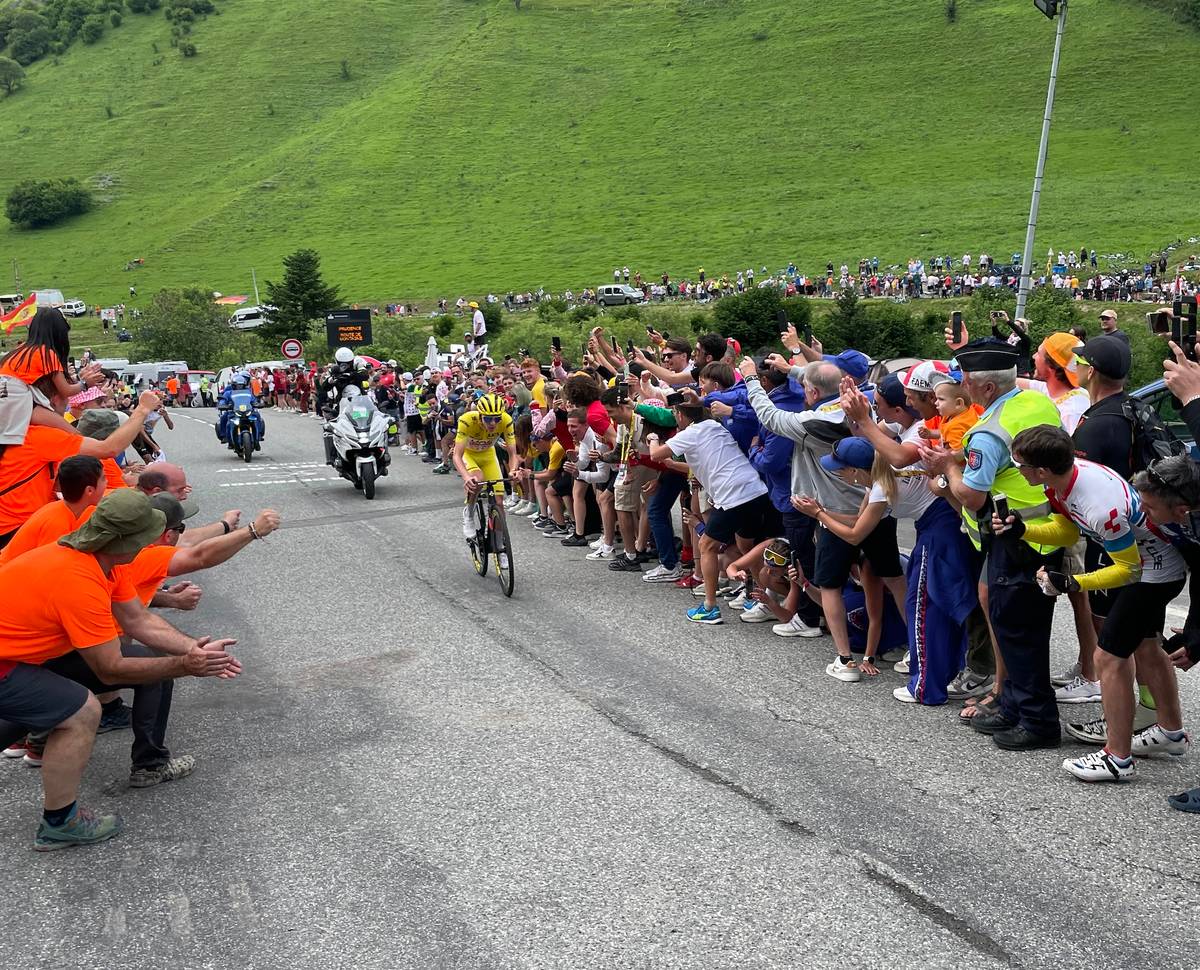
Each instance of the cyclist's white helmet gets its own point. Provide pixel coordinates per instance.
(343, 355)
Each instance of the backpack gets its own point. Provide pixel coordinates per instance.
(1151, 439)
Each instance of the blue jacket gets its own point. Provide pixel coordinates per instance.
(743, 423)
(772, 457)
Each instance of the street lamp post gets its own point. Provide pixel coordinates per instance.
(1051, 8)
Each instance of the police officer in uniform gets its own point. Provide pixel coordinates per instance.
(1020, 613)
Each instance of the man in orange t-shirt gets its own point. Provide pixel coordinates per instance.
(58, 647)
(27, 470)
(81, 483)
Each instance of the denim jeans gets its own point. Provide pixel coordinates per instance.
(660, 511)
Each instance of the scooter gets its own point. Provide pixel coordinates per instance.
(356, 441)
(241, 433)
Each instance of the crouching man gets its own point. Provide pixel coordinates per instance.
(60, 603)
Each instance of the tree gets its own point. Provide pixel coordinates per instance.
(27, 46)
(751, 318)
(300, 299)
(92, 29)
(33, 204)
(183, 325)
(11, 74)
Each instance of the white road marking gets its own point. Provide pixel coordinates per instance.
(276, 481)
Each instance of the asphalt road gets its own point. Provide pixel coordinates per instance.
(416, 772)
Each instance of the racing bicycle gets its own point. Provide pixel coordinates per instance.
(491, 536)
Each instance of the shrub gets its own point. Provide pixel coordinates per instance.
(187, 49)
(493, 318)
(92, 29)
(444, 326)
(11, 74)
(549, 309)
(33, 204)
(114, 18)
(751, 318)
(584, 312)
(25, 47)
(951, 11)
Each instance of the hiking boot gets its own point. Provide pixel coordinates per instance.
(84, 827)
(173, 770)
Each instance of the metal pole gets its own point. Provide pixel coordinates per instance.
(1027, 258)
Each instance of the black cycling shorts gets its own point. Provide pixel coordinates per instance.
(1136, 613)
(754, 520)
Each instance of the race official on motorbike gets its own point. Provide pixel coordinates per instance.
(238, 382)
(348, 371)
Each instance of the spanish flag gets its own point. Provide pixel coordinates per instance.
(19, 315)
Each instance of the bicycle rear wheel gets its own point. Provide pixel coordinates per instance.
(478, 545)
(502, 550)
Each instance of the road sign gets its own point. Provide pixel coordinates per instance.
(291, 349)
(348, 328)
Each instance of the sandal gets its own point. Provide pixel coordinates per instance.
(988, 704)
(1188, 801)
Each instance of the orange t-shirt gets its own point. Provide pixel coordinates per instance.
(954, 429)
(31, 366)
(256, 387)
(48, 524)
(172, 385)
(147, 572)
(113, 476)
(27, 473)
(72, 611)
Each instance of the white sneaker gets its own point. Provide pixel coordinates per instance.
(1078, 691)
(1100, 766)
(739, 601)
(1154, 741)
(1089, 732)
(468, 523)
(844, 670)
(604, 552)
(1064, 677)
(511, 501)
(796, 627)
(895, 655)
(904, 695)
(661, 574)
(902, 666)
(596, 543)
(503, 557)
(758, 613)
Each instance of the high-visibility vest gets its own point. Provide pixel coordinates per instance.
(1025, 409)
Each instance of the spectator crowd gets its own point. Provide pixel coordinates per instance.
(771, 489)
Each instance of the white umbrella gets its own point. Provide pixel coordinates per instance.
(431, 354)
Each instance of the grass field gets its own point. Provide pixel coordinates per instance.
(475, 147)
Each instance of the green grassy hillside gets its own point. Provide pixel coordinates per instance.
(475, 146)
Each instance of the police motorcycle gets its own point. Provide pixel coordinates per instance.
(356, 439)
(240, 424)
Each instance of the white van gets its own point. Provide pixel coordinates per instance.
(249, 317)
(10, 301)
(74, 308)
(141, 376)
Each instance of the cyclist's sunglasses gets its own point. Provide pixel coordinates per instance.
(490, 418)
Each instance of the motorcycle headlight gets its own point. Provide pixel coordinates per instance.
(241, 407)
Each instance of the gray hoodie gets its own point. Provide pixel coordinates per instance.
(808, 477)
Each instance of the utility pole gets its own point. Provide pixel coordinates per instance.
(16, 275)
(1050, 8)
(254, 279)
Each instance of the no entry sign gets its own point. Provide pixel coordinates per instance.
(291, 349)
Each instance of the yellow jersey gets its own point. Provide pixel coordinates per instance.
(477, 436)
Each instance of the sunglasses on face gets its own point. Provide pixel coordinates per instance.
(180, 528)
(774, 557)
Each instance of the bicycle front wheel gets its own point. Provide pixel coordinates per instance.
(502, 551)
(478, 544)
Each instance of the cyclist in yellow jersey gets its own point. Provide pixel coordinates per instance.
(475, 450)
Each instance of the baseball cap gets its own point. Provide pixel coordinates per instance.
(123, 522)
(849, 453)
(1108, 315)
(98, 423)
(927, 375)
(473, 305)
(1109, 355)
(734, 345)
(171, 507)
(1060, 348)
(853, 362)
(891, 390)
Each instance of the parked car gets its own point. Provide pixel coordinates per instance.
(74, 308)
(617, 294)
(250, 317)
(1166, 406)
